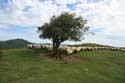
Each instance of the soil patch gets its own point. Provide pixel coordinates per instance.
(65, 59)
(47, 58)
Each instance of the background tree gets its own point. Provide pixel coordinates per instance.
(66, 26)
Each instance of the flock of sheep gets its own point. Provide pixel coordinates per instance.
(73, 49)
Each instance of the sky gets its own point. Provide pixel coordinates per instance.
(20, 19)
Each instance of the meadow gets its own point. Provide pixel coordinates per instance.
(25, 66)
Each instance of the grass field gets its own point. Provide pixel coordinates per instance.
(25, 66)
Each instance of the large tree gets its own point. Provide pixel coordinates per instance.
(66, 26)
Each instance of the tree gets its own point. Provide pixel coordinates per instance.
(66, 26)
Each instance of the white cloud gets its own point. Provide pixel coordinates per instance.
(65, 2)
(106, 14)
(38, 12)
(111, 17)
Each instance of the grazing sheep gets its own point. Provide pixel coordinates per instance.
(95, 48)
(36, 46)
(114, 49)
(69, 51)
(73, 49)
(30, 46)
(99, 48)
(63, 49)
(45, 46)
(103, 48)
(123, 50)
(89, 49)
(83, 48)
(77, 49)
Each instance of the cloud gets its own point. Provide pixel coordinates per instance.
(109, 15)
(30, 12)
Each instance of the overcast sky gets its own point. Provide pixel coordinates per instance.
(106, 18)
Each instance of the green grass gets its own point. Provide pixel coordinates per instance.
(25, 66)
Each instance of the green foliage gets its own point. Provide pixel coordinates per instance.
(15, 43)
(64, 27)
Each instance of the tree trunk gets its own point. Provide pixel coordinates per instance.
(55, 49)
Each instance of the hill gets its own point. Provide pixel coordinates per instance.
(94, 45)
(91, 45)
(14, 43)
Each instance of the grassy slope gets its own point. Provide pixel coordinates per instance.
(13, 43)
(23, 66)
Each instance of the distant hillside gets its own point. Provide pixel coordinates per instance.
(20, 43)
(14, 43)
(92, 45)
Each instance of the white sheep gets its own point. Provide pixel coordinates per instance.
(89, 48)
(29, 46)
(69, 51)
(83, 48)
(77, 49)
(123, 50)
(37, 46)
(95, 48)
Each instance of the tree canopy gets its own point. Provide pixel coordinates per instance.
(66, 26)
